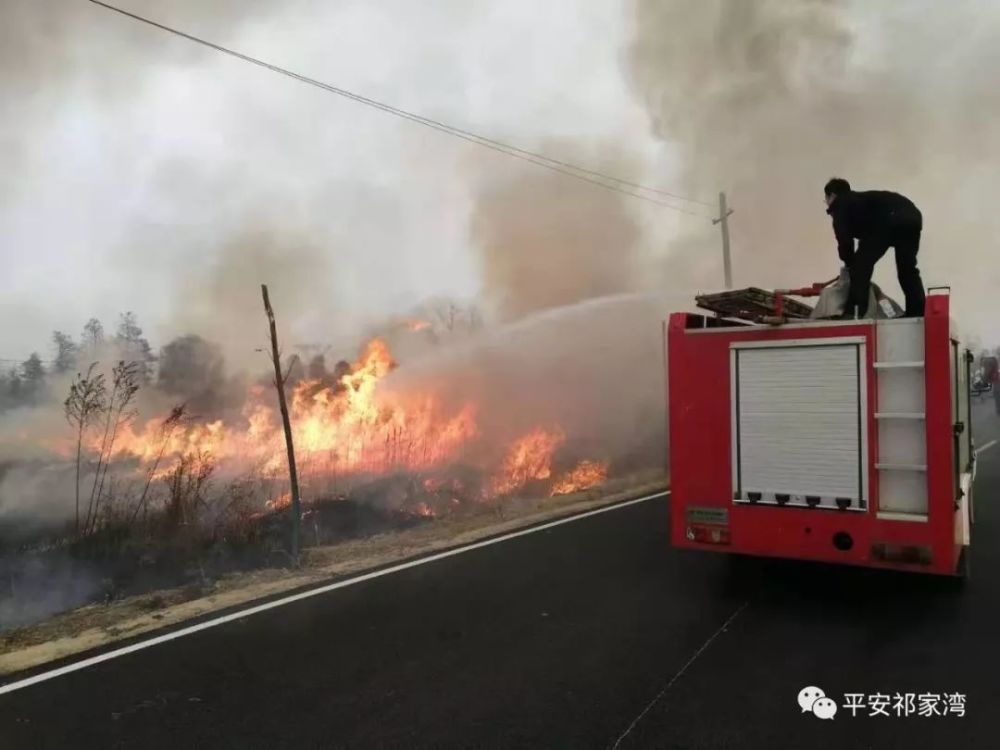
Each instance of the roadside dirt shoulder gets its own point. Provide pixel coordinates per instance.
(97, 625)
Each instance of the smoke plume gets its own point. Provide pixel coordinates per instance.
(596, 369)
(545, 240)
(223, 302)
(769, 99)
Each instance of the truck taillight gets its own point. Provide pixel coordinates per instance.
(708, 534)
(913, 554)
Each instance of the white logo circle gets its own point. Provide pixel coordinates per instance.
(808, 696)
(824, 708)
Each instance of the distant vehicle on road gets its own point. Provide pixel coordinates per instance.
(989, 379)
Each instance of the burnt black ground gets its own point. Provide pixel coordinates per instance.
(561, 639)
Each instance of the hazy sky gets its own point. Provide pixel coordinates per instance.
(143, 172)
(142, 159)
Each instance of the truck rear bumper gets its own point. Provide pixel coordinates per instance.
(838, 537)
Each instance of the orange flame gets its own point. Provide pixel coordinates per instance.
(414, 325)
(355, 425)
(424, 510)
(281, 502)
(584, 476)
(528, 459)
(347, 426)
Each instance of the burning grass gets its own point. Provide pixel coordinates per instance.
(345, 427)
(586, 475)
(182, 499)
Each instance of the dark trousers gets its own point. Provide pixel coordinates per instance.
(906, 240)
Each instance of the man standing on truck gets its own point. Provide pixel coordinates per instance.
(878, 219)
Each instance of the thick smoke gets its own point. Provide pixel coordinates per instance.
(203, 174)
(177, 173)
(594, 369)
(34, 588)
(42, 41)
(223, 302)
(52, 51)
(768, 99)
(545, 240)
(192, 371)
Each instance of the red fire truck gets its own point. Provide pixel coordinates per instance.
(844, 441)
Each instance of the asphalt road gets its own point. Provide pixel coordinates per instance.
(576, 636)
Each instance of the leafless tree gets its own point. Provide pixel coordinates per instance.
(451, 318)
(87, 395)
(66, 352)
(280, 380)
(92, 337)
(118, 412)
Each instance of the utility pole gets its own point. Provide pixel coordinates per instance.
(724, 214)
(279, 382)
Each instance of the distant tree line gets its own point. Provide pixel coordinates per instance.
(29, 383)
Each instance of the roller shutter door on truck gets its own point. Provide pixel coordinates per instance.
(799, 427)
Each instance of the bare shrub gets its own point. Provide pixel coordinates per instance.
(86, 400)
(187, 486)
(118, 412)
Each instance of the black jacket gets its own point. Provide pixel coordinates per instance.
(872, 215)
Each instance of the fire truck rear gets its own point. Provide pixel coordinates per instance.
(837, 441)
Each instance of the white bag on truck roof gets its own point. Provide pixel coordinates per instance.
(833, 300)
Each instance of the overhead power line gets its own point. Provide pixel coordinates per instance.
(11, 361)
(606, 181)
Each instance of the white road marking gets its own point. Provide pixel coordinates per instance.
(706, 644)
(191, 629)
(982, 448)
